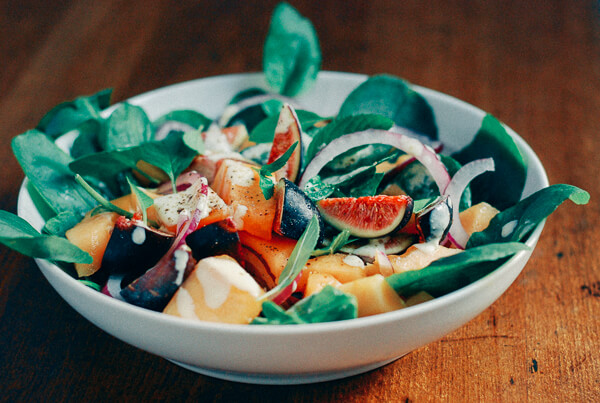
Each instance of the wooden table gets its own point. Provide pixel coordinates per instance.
(534, 65)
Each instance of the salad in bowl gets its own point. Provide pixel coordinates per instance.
(230, 207)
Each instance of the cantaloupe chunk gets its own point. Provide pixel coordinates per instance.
(477, 218)
(344, 268)
(419, 298)
(374, 295)
(274, 253)
(129, 203)
(218, 290)
(419, 256)
(237, 183)
(316, 281)
(92, 235)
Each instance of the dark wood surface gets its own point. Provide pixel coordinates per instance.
(534, 65)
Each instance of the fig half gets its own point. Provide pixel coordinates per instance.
(369, 216)
(294, 210)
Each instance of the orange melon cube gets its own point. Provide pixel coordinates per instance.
(373, 295)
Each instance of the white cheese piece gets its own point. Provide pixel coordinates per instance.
(169, 207)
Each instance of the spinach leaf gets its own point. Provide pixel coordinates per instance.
(298, 258)
(46, 167)
(171, 155)
(514, 223)
(127, 126)
(336, 244)
(346, 125)
(193, 139)
(61, 223)
(291, 55)
(393, 98)
(266, 171)
(190, 117)
(86, 141)
(70, 115)
(328, 305)
(19, 235)
(317, 190)
(264, 131)
(453, 272)
(503, 187)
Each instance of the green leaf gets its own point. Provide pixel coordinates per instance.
(453, 272)
(143, 199)
(338, 242)
(86, 141)
(317, 190)
(345, 125)
(503, 187)
(298, 258)
(264, 131)
(19, 235)
(392, 97)
(266, 182)
(171, 155)
(127, 126)
(190, 117)
(70, 115)
(292, 55)
(515, 223)
(61, 223)
(46, 167)
(193, 139)
(328, 305)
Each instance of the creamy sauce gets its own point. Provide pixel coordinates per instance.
(217, 276)
(353, 260)
(241, 175)
(508, 228)
(216, 141)
(185, 304)
(138, 236)
(238, 216)
(181, 260)
(430, 247)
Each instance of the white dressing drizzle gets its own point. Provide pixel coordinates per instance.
(185, 304)
(181, 260)
(353, 260)
(138, 236)
(217, 276)
(508, 228)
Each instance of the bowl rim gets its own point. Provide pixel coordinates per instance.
(324, 327)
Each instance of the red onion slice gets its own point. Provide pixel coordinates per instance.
(457, 235)
(401, 139)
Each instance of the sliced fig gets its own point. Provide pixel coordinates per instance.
(294, 210)
(369, 216)
(154, 289)
(287, 132)
(134, 247)
(212, 240)
(434, 221)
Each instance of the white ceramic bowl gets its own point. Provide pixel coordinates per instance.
(294, 354)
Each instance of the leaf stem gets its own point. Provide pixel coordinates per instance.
(100, 199)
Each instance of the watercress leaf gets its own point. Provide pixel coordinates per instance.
(514, 223)
(264, 131)
(298, 258)
(336, 244)
(392, 97)
(193, 139)
(127, 126)
(292, 55)
(46, 167)
(144, 201)
(69, 115)
(317, 190)
(345, 125)
(86, 141)
(453, 272)
(266, 171)
(19, 235)
(328, 305)
(189, 117)
(503, 187)
(61, 223)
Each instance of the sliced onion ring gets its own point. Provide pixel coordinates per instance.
(400, 138)
(457, 235)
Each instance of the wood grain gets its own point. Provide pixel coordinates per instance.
(535, 65)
